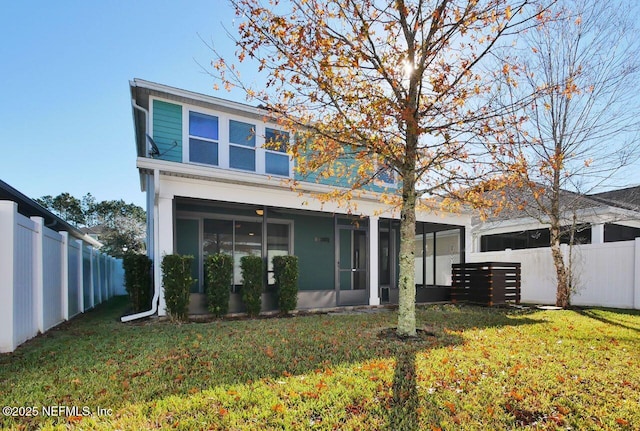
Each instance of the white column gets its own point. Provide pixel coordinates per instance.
(597, 233)
(38, 274)
(64, 274)
(8, 211)
(374, 294)
(164, 222)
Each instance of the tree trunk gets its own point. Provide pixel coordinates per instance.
(563, 292)
(407, 287)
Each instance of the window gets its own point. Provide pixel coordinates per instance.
(276, 143)
(235, 142)
(386, 174)
(203, 138)
(242, 143)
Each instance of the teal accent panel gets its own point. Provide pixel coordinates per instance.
(350, 168)
(167, 130)
(314, 246)
(188, 242)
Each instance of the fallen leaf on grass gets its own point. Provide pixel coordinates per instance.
(278, 408)
(621, 421)
(450, 406)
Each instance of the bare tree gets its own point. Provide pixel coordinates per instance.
(582, 130)
(375, 86)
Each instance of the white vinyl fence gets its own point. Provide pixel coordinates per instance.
(606, 275)
(47, 277)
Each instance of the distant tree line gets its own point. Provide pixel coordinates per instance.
(120, 226)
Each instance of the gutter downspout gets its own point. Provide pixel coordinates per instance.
(156, 281)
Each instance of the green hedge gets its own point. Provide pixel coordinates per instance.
(219, 275)
(137, 280)
(252, 283)
(177, 280)
(285, 271)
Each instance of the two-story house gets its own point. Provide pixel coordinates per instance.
(212, 186)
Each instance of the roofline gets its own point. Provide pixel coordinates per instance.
(31, 208)
(141, 83)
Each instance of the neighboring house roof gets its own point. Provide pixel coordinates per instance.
(628, 198)
(30, 208)
(615, 205)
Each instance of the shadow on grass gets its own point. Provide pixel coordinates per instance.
(593, 314)
(404, 414)
(96, 360)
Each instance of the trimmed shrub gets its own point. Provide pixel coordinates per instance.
(252, 283)
(177, 280)
(285, 271)
(137, 280)
(219, 273)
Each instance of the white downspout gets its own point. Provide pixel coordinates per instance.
(156, 251)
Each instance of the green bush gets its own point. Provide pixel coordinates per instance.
(137, 280)
(177, 280)
(219, 274)
(285, 271)
(252, 283)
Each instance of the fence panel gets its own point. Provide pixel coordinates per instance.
(52, 249)
(73, 293)
(24, 318)
(538, 280)
(87, 278)
(118, 278)
(604, 274)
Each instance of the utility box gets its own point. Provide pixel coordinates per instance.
(486, 283)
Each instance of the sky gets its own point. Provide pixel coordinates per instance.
(65, 118)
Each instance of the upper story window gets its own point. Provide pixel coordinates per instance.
(229, 141)
(276, 159)
(203, 138)
(242, 145)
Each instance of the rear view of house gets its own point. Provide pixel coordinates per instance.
(213, 186)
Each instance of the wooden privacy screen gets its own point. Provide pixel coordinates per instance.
(487, 283)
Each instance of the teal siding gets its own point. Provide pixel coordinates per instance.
(316, 257)
(167, 129)
(343, 180)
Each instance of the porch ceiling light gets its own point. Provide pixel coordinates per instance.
(260, 212)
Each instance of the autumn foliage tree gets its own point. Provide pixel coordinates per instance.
(582, 129)
(372, 87)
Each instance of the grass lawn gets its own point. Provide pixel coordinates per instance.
(474, 368)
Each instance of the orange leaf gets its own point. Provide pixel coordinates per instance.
(450, 406)
(621, 421)
(222, 411)
(279, 408)
(269, 352)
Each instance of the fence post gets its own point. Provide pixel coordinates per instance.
(64, 272)
(636, 275)
(8, 211)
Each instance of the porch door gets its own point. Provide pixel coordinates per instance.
(387, 262)
(353, 262)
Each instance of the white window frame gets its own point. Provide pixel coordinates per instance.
(223, 140)
(187, 141)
